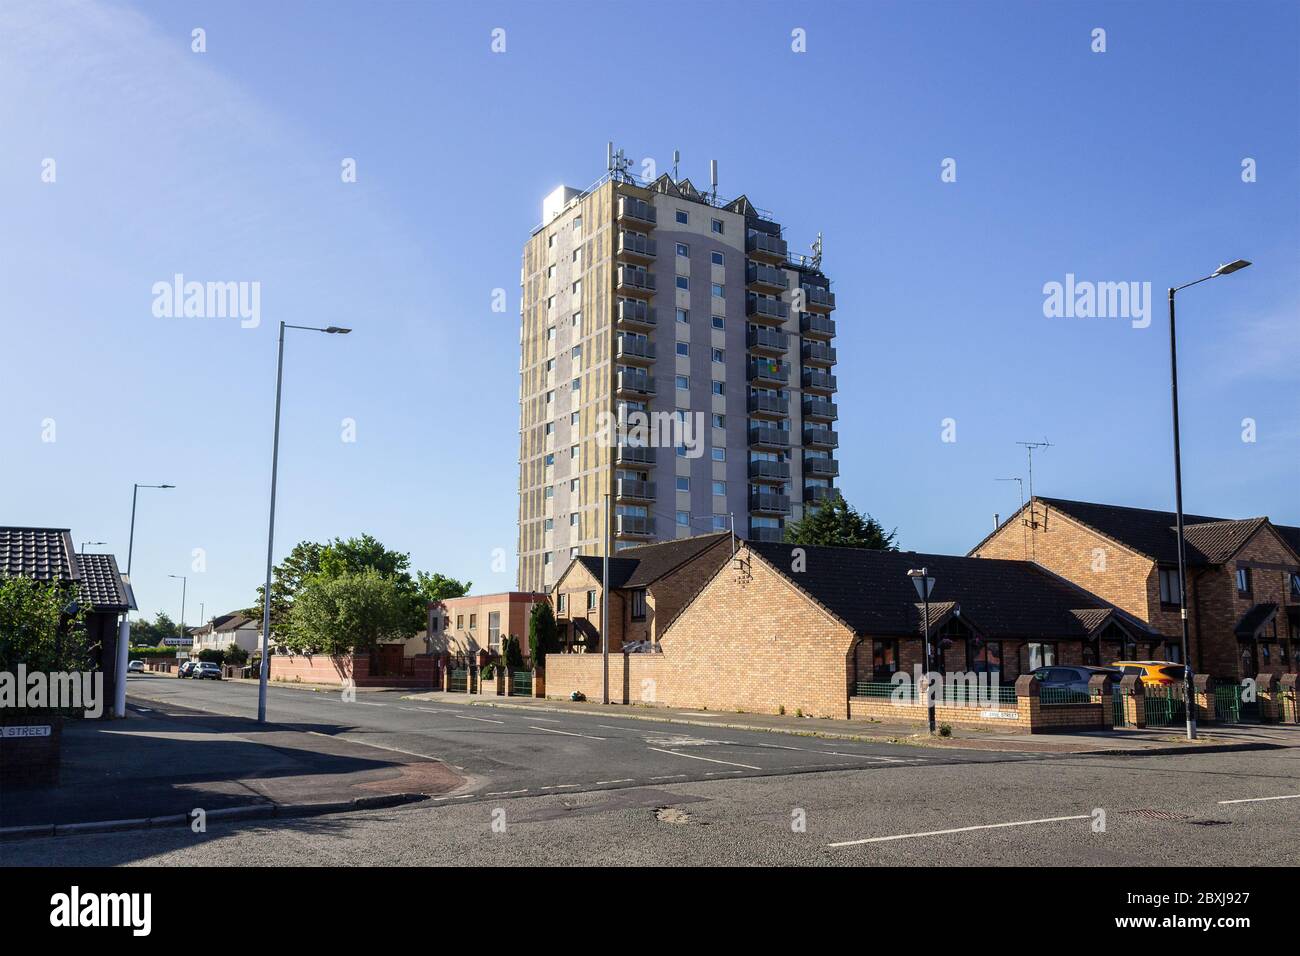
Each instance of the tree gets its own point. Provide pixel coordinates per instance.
(236, 655)
(353, 611)
(36, 628)
(287, 579)
(151, 633)
(837, 524)
(542, 632)
(511, 653)
(439, 587)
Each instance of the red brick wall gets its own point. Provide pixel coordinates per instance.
(324, 669)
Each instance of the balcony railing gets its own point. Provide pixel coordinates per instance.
(817, 325)
(821, 467)
(631, 349)
(762, 246)
(817, 353)
(632, 246)
(769, 503)
(820, 409)
(818, 299)
(636, 210)
(817, 494)
(632, 312)
(634, 455)
(765, 277)
(769, 471)
(818, 381)
(632, 489)
(637, 526)
(637, 382)
(766, 435)
(771, 405)
(767, 535)
(821, 438)
(767, 340)
(772, 371)
(635, 280)
(771, 310)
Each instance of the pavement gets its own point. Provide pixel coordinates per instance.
(156, 766)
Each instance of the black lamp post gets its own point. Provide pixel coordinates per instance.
(1189, 693)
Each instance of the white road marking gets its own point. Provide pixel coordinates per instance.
(504, 793)
(368, 743)
(368, 703)
(669, 776)
(716, 773)
(709, 759)
(566, 733)
(480, 719)
(985, 826)
(624, 780)
(1289, 796)
(559, 786)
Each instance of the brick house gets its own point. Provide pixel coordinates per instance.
(779, 626)
(648, 586)
(225, 630)
(1243, 578)
(464, 626)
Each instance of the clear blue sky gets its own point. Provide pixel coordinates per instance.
(225, 166)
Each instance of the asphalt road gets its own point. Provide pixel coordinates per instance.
(537, 795)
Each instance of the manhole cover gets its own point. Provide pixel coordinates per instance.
(672, 815)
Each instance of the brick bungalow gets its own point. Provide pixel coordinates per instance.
(778, 626)
(648, 586)
(1243, 578)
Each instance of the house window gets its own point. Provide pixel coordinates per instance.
(573, 419)
(986, 658)
(884, 660)
(719, 421)
(684, 519)
(715, 225)
(683, 483)
(573, 452)
(720, 488)
(638, 604)
(460, 622)
(546, 560)
(549, 493)
(550, 272)
(473, 621)
(719, 291)
(548, 524)
(573, 520)
(575, 352)
(550, 460)
(1243, 580)
(576, 320)
(683, 348)
(718, 258)
(719, 356)
(561, 603)
(1169, 586)
(1295, 585)
(684, 283)
(683, 217)
(683, 383)
(721, 522)
(550, 333)
(577, 224)
(684, 316)
(683, 250)
(1041, 655)
(591, 600)
(719, 322)
(494, 629)
(577, 288)
(718, 454)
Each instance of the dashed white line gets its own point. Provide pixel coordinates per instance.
(559, 786)
(985, 826)
(1289, 796)
(623, 780)
(505, 793)
(728, 763)
(566, 733)
(669, 776)
(483, 720)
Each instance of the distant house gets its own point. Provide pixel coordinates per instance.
(92, 581)
(220, 632)
(464, 626)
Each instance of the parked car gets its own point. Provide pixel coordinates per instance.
(135, 667)
(1071, 677)
(186, 669)
(206, 670)
(1153, 672)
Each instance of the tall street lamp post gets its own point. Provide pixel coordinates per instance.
(265, 669)
(130, 545)
(924, 585)
(1189, 694)
(184, 584)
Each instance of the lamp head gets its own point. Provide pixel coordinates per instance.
(1231, 267)
(336, 330)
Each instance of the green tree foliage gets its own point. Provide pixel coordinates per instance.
(35, 629)
(236, 655)
(351, 611)
(542, 632)
(151, 633)
(511, 652)
(212, 655)
(287, 579)
(439, 587)
(837, 524)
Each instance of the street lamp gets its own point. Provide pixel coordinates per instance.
(924, 585)
(265, 669)
(130, 545)
(1189, 694)
(184, 584)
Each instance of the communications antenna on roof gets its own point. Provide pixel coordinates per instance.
(617, 163)
(817, 251)
(1030, 448)
(713, 177)
(677, 158)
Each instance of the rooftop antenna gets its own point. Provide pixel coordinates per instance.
(817, 251)
(677, 158)
(1024, 532)
(1030, 448)
(617, 163)
(713, 177)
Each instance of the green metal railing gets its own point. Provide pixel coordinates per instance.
(1049, 696)
(458, 681)
(954, 694)
(1117, 708)
(1227, 703)
(521, 683)
(1166, 705)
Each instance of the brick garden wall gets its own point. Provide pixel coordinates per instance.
(324, 669)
